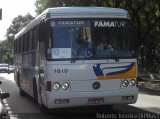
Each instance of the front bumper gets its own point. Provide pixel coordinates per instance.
(76, 99)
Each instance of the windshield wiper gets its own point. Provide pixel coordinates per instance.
(80, 48)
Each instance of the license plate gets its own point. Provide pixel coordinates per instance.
(95, 101)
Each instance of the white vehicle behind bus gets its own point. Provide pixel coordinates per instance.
(57, 61)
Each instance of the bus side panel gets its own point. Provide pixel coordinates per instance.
(18, 64)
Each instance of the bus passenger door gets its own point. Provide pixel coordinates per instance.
(41, 72)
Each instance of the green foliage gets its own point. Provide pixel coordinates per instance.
(18, 23)
(41, 5)
(7, 46)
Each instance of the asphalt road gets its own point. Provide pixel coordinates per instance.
(25, 107)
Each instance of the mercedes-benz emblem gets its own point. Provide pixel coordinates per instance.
(96, 85)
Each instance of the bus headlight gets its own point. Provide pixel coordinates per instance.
(65, 85)
(56, 86)
(132, 82)
(125, 83)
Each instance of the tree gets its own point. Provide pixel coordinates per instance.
(7, 46)
(41, 5)
(18, 23)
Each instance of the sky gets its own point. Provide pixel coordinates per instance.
(11, 9)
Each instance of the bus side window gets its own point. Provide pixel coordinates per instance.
(33, 38)
(15, 47)
(19, 45)
(30, 39)
(27, 41)
(24, 42)
(35, 35)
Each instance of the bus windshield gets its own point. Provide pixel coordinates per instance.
(90, 39)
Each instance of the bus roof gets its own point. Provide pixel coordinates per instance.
(85, 12)
(77, 12)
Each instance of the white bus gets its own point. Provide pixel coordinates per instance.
(59, 64)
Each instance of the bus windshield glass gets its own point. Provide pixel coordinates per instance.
(90, 39)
